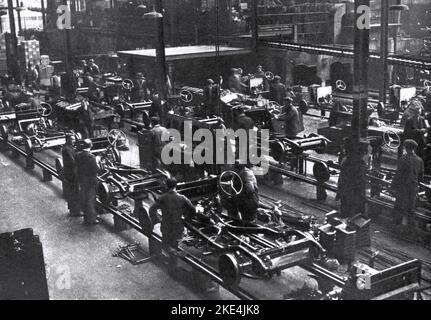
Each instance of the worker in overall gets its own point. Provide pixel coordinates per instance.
(409, 174)
(87, 169)
(278, 91)
(242, 121)
(292, 120)
(86, 120)
(352, 181)
(158, 132)
(94, 89)
(261, 74)
(247, 202)
(415, 129)
(210, 97)
(33, 77)
(174, 207)
(92, 68)
(140, 90)
(71, 186)
(234, 83)
(156, 105)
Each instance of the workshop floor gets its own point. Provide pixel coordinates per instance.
(78, 258)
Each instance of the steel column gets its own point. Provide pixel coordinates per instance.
(68, 46)
(384, 50)
(42, 5)
(13, 54)
(18, 13)
(254, 25)
(360, 76)
(161, 57)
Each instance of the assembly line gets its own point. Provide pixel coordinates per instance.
(238, 170)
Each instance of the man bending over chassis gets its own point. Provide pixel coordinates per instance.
(174, 206)
(244, 206)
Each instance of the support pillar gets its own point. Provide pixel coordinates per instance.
(384, 49)
(352, 181)
(42, 5)
(18, 13)
(254, 25)
(13, 63)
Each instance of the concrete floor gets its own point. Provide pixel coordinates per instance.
(78, 258)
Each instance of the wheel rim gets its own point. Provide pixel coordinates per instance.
(59, 167)
(229, 270)
(104, 193)
(321, 172)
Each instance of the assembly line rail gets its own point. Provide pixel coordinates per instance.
(188, 258)
(281, 169)
(132, 222)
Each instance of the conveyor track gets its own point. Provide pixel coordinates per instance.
(187, 258)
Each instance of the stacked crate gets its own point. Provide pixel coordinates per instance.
(345, 244)
(22, 267)
(341, 237)
(362, 227)
(46, 71)
(29, 52)
(3, 58)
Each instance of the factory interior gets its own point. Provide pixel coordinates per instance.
(215, 150)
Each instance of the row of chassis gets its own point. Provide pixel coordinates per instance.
(256, 251)
(259, 250)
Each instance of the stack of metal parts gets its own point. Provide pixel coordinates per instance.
(341, 237)
(22, 267)
(132, 253)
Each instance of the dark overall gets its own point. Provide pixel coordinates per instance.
(409, 173)
(174, 207)
(71, 186)
(157, 144)
(87, 169)
(247, 203)
(278, 93)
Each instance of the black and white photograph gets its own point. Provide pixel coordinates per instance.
(215, 155)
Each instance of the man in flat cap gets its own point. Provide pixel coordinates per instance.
(409, 174)
(87, 170)
(234, 82)
(415, 129)
(92, 68)
(157, 134)
(70, 185)
(292, 120)
(278, 91)
(211, 97)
